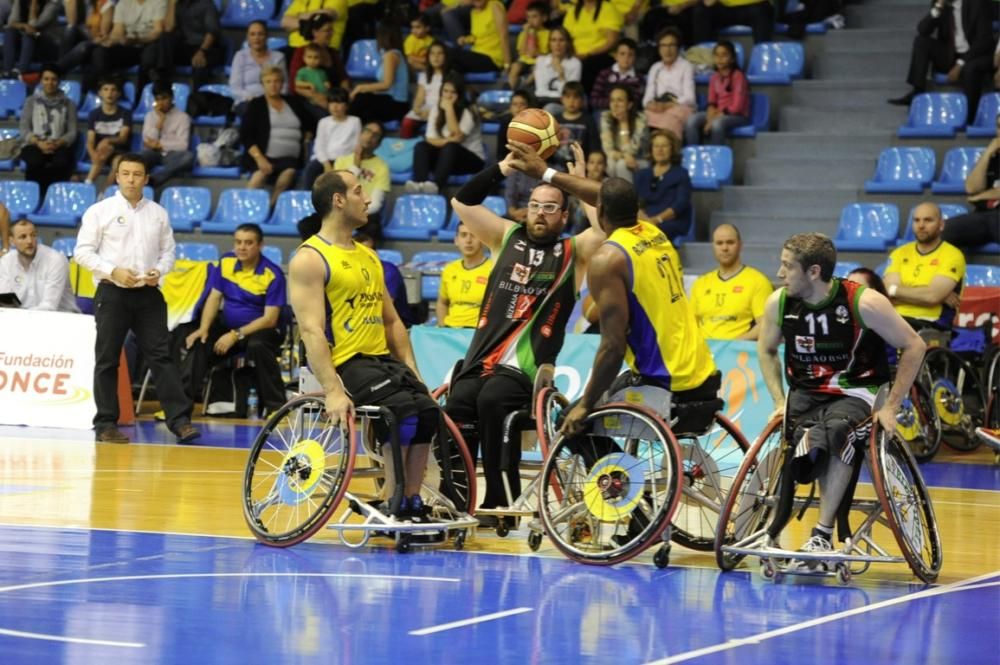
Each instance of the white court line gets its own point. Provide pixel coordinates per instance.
(761, 637)
(71, 640)
(472, 621)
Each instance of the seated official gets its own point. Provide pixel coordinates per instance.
(37, 274)
(463, 282)
(249, 289)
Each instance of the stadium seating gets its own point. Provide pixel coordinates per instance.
(238, 206)
(495, 203)
(497, 101)
(935, 115)
(984, 125)
(948, 210)
(363, 60)
(12, 94)
(867, 227)
(73, 90)
(272, 252)
(91, 102)
(20, 197)
(240, 13)
(430, 264)
(703, 77)
(65, 246)
(982, 275)
(8, 133)
(689, 235)
(710, 166)
(393, 256)
(186, 206)
(398, 154)
(198, 171)
(213, 120)
(760, 117)
(903, 171)
(415, 217)
(197, 251)
(145, 105)
(290, 207)
(776, 63)
(482, 78)
(64, 204)
(845, 268)
(958, 162)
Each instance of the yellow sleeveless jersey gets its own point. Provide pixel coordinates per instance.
(728, 308)
(464, 289)
(665, 345)
(486, 34)
(354, 290)
(916, 269)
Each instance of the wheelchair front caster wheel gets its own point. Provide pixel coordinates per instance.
(502, 528)
(460, 541)
(768, 571)
(534, 540)
(403, 544)
(662, 557)
(843, 574)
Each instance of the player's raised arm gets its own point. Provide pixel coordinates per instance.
(467, 203)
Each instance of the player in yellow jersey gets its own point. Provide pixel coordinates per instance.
(338, 293)
(729, 302)
(924, 277)
(463, 282)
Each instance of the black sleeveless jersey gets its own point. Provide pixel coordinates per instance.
(828, 348)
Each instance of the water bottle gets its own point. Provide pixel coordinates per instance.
(252, 412)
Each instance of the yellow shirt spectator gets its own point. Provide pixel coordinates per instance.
(295, 38)
(462, 291)
(729, 308)
(916, 269)
(417, 46)
(590, 33)
(374, 172)
(484, 32)
(543, 45)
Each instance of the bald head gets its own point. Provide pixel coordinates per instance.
(726, 245)
(927, 223)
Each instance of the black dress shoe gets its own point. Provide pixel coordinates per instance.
(110, 435)
(187, 433)
(905, 100)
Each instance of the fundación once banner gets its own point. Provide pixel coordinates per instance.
(47, 369)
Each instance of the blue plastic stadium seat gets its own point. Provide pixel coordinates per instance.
(288, 210)
(776, 63)
(430, 264)
(948, 210)
(20, 197)
(393, 256)
(272, 252)
(363, 60)
(12, 94)
(958, 162)
(867, 227)
(111, 190)
(704, 76)
(935, 115)
(497, 101)
(415, 217)
(817, 28)
(214, 120)
(398, 154)
(484, 78)
(238, 206)
(689, 235)
(760, 117)
(982, 275)
(72, 89)
(845, 268)
(8, 133)
(64, 246)
(64, 204)
(984, 126)
(902, 171)
(145, 105)
(710, 166)
(197, 251)
(495, 203)
(736, 31)
(239, 13)
(186, 206)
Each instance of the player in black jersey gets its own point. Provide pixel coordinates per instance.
(835, 362)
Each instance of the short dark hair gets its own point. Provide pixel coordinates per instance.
(163, 89)
(51, 67)
(323, 190)
(422, 19)
(526, 95)
(629, 42)
(109, 80)
(251, 228)
(540, 7)
(262, 24)
(813, 249)
(134, 158)
(574, 88)
(338, 95)
(669, 30)
(312, 47)
(619, 202)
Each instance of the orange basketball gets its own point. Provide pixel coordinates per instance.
(536, 128)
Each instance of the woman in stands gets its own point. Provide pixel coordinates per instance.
(595, 26)
(275, 133)
(244, 77)
(664, 187)
(669, 100)
(728, 100)
(623, 134)
(488, 39)
(318, 31)
(48, 132)
(453, 143)
(428, 89)
(387, 98)
(554, 70)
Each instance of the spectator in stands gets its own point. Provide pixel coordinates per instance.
(166, 137)
(453, 143)
(39, 275)
(553, 71)
(87, 23)
(623, 71)
(869, 278)
(728, 100)
(109, 128)
(924, 278)
(676, 13)
(951, 36)
(669, 100)
(26, 25)
(48, 132)
(664, 187)
(418, 43)
(248, 290)
(596, 170)
(532, 42)
(489, 39)
(428, 89)
(520, 99)
(387, 98)
(244, 76)
(452, 15)
(371, 171)
(318, 30)
(710, 16)
(312, 82)
(4, 229)
(516, 193)
(275, 133)
(194, 38)
(136, 38)
(301, 13)
(394, 282)
(575, 125)
(982, 185)
(336, 135)
(463, 282)
(595, 27)
(729, 301)
(624, 138)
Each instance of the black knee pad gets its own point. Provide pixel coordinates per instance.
(429, 422)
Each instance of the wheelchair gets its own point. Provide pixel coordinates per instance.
(634, 478)
(301, 469)
(991, 376)
(955, 388)
(764, 498)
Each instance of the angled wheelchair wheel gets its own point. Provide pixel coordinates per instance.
(710, 463)
(608, 493)
(919, 424)
(549, 407)
(991, 383)
(754, 493)
(957, 391)
(906, 502)
(298, 470)
(457, 485)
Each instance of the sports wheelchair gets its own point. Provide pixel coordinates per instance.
(992, 382)
(301, 468)
(954, 385)
(631, 480)
(764, 498)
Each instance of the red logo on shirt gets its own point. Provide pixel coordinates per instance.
(737, 289)
(480, 280)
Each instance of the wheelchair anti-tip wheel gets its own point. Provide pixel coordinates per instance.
(297, 472)
(608, 493)
(919, 424)
(957, 392)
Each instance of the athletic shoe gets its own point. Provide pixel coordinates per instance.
(412, 187)
(818, 542)
(990, 436)
(416, 509)
(429, 187)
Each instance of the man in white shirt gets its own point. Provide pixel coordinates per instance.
(126, 242)
(39, 275)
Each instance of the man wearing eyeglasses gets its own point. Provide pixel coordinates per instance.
(522, 321)
(982, 187)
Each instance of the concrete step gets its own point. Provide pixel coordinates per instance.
(818, 201)
(796, 144)
(758, 226)
(842, 121)
(817, 170)
(861, 65)
(885, 15)
(841, 93)
(899, 38)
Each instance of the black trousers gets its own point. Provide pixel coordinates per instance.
(46, 169)
(592, 66)
(973, 229)
(706, 21)
(144, 312)
(450, 159)
(378, 106)
(469, 62)
(928, 52)
(487, 400)
(109, 59)
(178, 53)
